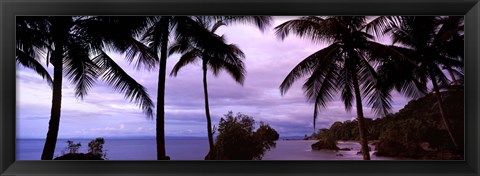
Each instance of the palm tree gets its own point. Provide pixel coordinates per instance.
(423, 39)
(215, 55)
(157, 37)
(67, 43)
(347, 66)
(450, 40)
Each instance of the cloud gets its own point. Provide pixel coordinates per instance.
(105, 112)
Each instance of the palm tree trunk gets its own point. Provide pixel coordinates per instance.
(361, 123)
(211, 153)
(54, 123)
(440, 107)
(160, 131)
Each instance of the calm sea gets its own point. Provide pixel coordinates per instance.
(191, 149)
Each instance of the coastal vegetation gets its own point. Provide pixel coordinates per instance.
(346, 65)
(360, 68)
(424, 63)
(76, 47)
(95, 151)
(215, 55)
(237, 139)
(415, 131)
(155, 46)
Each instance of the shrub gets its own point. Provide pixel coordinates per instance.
(237, 139)
(95, 151)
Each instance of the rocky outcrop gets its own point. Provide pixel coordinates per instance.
(324, 144)
(345, 149)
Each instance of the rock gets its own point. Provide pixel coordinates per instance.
(345, 149)
(79, 156)
(426, 146)
(322, 144)
(309, 138)
(359, 152)
(389, 148)
(339, 154)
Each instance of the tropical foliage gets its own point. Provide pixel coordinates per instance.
(95, 151)
(402, 134)
(237, 139)
(426, 53)
(76, 47)
(215, 55)
(424, 40)
(348, 65)
(185, 29)
(198, 41)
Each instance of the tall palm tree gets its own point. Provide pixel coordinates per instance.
(214, 54)
(346, 66)
(157, 38)
(67, 43)
(450, 40)
(422, 39)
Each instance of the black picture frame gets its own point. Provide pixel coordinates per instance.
(10, 8)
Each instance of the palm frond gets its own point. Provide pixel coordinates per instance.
(234, 66)
(79, 68)
(210, 47)
(118, 34)
(306, 66)
(145, 56)
(29, 62)
(32, 36)
(380, 24)
(116, 77)
(201, 38)
(314, 28)
(439, 75)
(187, 58)
(451, 27)
(262, 22)
(154, 34)
(321, 88)
(217, 25)
(377, 92)
(179, 47)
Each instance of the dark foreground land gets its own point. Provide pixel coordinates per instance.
(416, 131)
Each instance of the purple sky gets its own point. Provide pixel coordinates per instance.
(105, 113)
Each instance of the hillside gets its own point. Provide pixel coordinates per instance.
(416, 131)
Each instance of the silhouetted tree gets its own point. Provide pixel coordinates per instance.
(423, 40)
(196, 39)
(67, 43)
(237, 139)
(214, 54)
(157, 36)
(345, 65)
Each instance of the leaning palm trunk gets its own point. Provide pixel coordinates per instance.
(361, 123)
(440, 108)
(54, 123)
(211, 153)
(160, 134)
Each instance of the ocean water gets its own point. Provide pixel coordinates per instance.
(190, 149)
